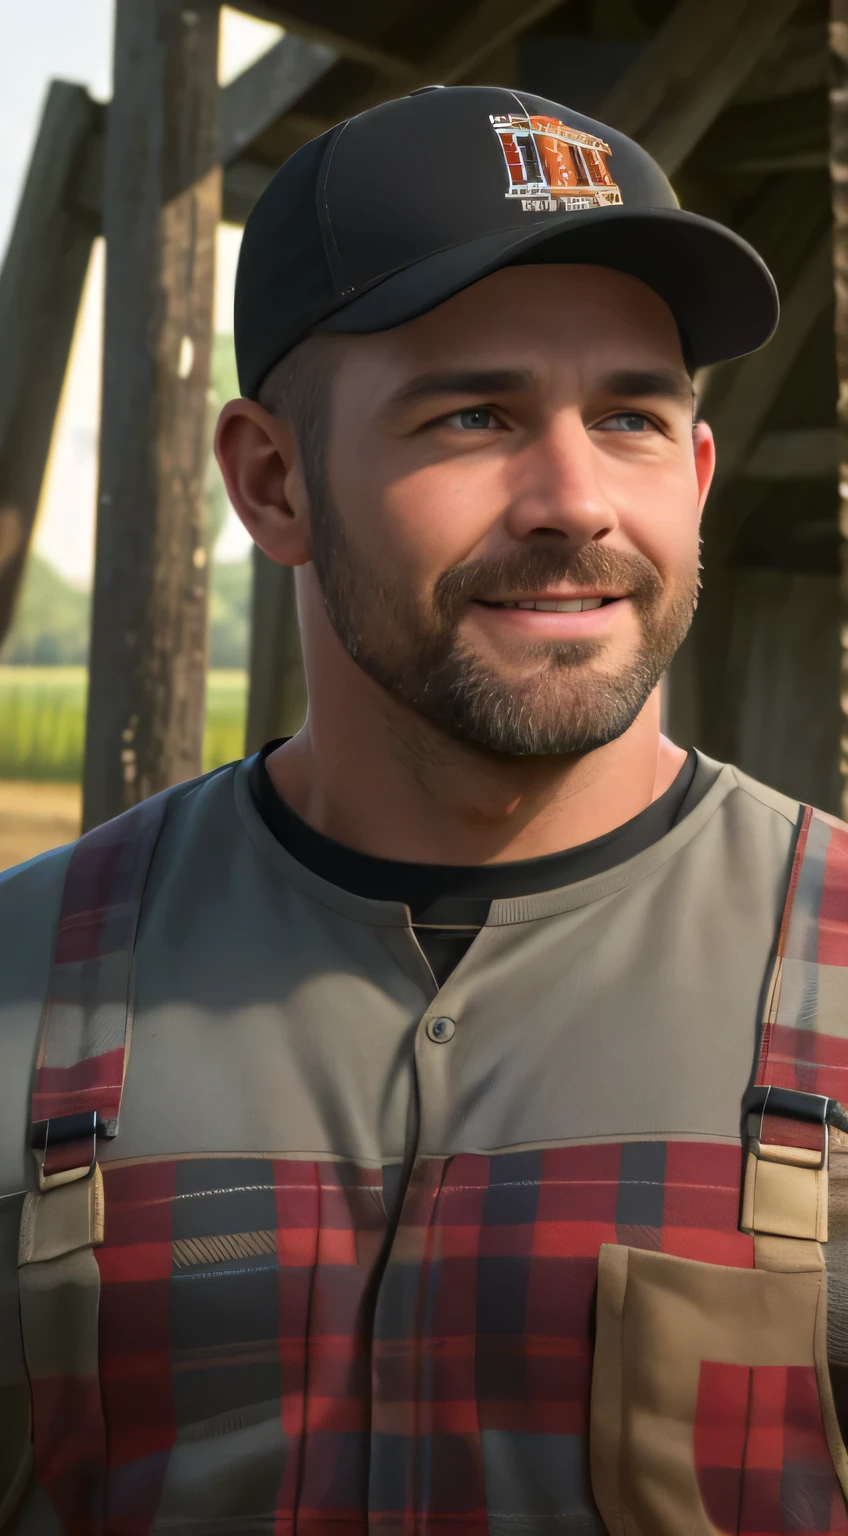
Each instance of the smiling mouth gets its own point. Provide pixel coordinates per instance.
(554, 605)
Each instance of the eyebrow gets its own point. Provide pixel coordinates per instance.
(450, 381)
(643, 383)
(650, 384)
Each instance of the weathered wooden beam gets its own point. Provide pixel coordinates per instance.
(267, 89)
(161, 209)
(40, 288)
(839, 198)
(276, 701)
(689, 71)
(248, 106)
(328, 22)
(799, 453)
(491, 25)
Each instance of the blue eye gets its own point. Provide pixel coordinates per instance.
(625, 421)
(478, 418)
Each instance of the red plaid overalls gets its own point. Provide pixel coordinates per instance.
(711, 1408)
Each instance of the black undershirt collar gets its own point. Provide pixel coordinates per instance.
(458, 895)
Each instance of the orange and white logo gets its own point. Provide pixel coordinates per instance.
(551, 166)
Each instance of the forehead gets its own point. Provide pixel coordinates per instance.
(544, 317)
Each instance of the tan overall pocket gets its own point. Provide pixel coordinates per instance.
(710, 1391)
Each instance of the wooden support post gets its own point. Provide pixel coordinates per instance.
(162, 200)
(253, 102)
(261, 94)
(328, 22)
(277, 698)
(40, 288)
(839, 195)
(246, 108)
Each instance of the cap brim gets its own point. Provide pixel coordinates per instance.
(720, 292)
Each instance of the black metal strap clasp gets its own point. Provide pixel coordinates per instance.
(60, 1129)
(64, 1148)
(792, 1104)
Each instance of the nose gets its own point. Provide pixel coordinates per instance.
(557, 486)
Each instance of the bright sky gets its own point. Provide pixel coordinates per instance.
(72, 40)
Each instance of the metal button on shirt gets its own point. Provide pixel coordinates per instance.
(441, 1029)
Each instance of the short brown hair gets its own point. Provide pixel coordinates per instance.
(297, 387)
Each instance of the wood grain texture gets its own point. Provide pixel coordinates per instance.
(162, 200)
(276, 701)
(351, 31)
(689, 71)
(40, 288)
(262, 93)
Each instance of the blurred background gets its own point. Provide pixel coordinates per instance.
(140, 638)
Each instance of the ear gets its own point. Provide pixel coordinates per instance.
(263, 472)
(705, 460)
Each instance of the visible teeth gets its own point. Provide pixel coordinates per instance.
(565, 605)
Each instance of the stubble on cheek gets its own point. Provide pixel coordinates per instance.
(552, 698)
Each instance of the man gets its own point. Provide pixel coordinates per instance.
(421, 1021)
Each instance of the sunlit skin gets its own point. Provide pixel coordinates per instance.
(543, 404)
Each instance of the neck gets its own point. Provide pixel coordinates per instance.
(373, 775)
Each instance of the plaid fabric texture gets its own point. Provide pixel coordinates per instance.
(265, 1363)
(80, 1069)
(80, 1064)
(274, 1358)
(760, 1452)
(800, 1046)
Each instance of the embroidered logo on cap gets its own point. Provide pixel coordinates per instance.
(552, 166)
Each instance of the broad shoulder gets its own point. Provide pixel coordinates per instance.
(763, 802)
(31, 893)
(30, 897)
(30, 906)
(771, 804)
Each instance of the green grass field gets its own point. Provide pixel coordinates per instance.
(42, 721)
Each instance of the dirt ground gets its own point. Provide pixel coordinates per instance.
(34, 817)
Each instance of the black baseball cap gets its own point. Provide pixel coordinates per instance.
(390, 213)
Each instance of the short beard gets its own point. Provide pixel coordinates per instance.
(566, 707)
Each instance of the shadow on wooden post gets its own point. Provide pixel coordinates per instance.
(40, 289)
(276, 703)
(161, 206)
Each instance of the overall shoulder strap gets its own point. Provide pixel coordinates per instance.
(804, 1046)
(793, 1186)
(86, 1020)
(801, 1081)
(76, 1097)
